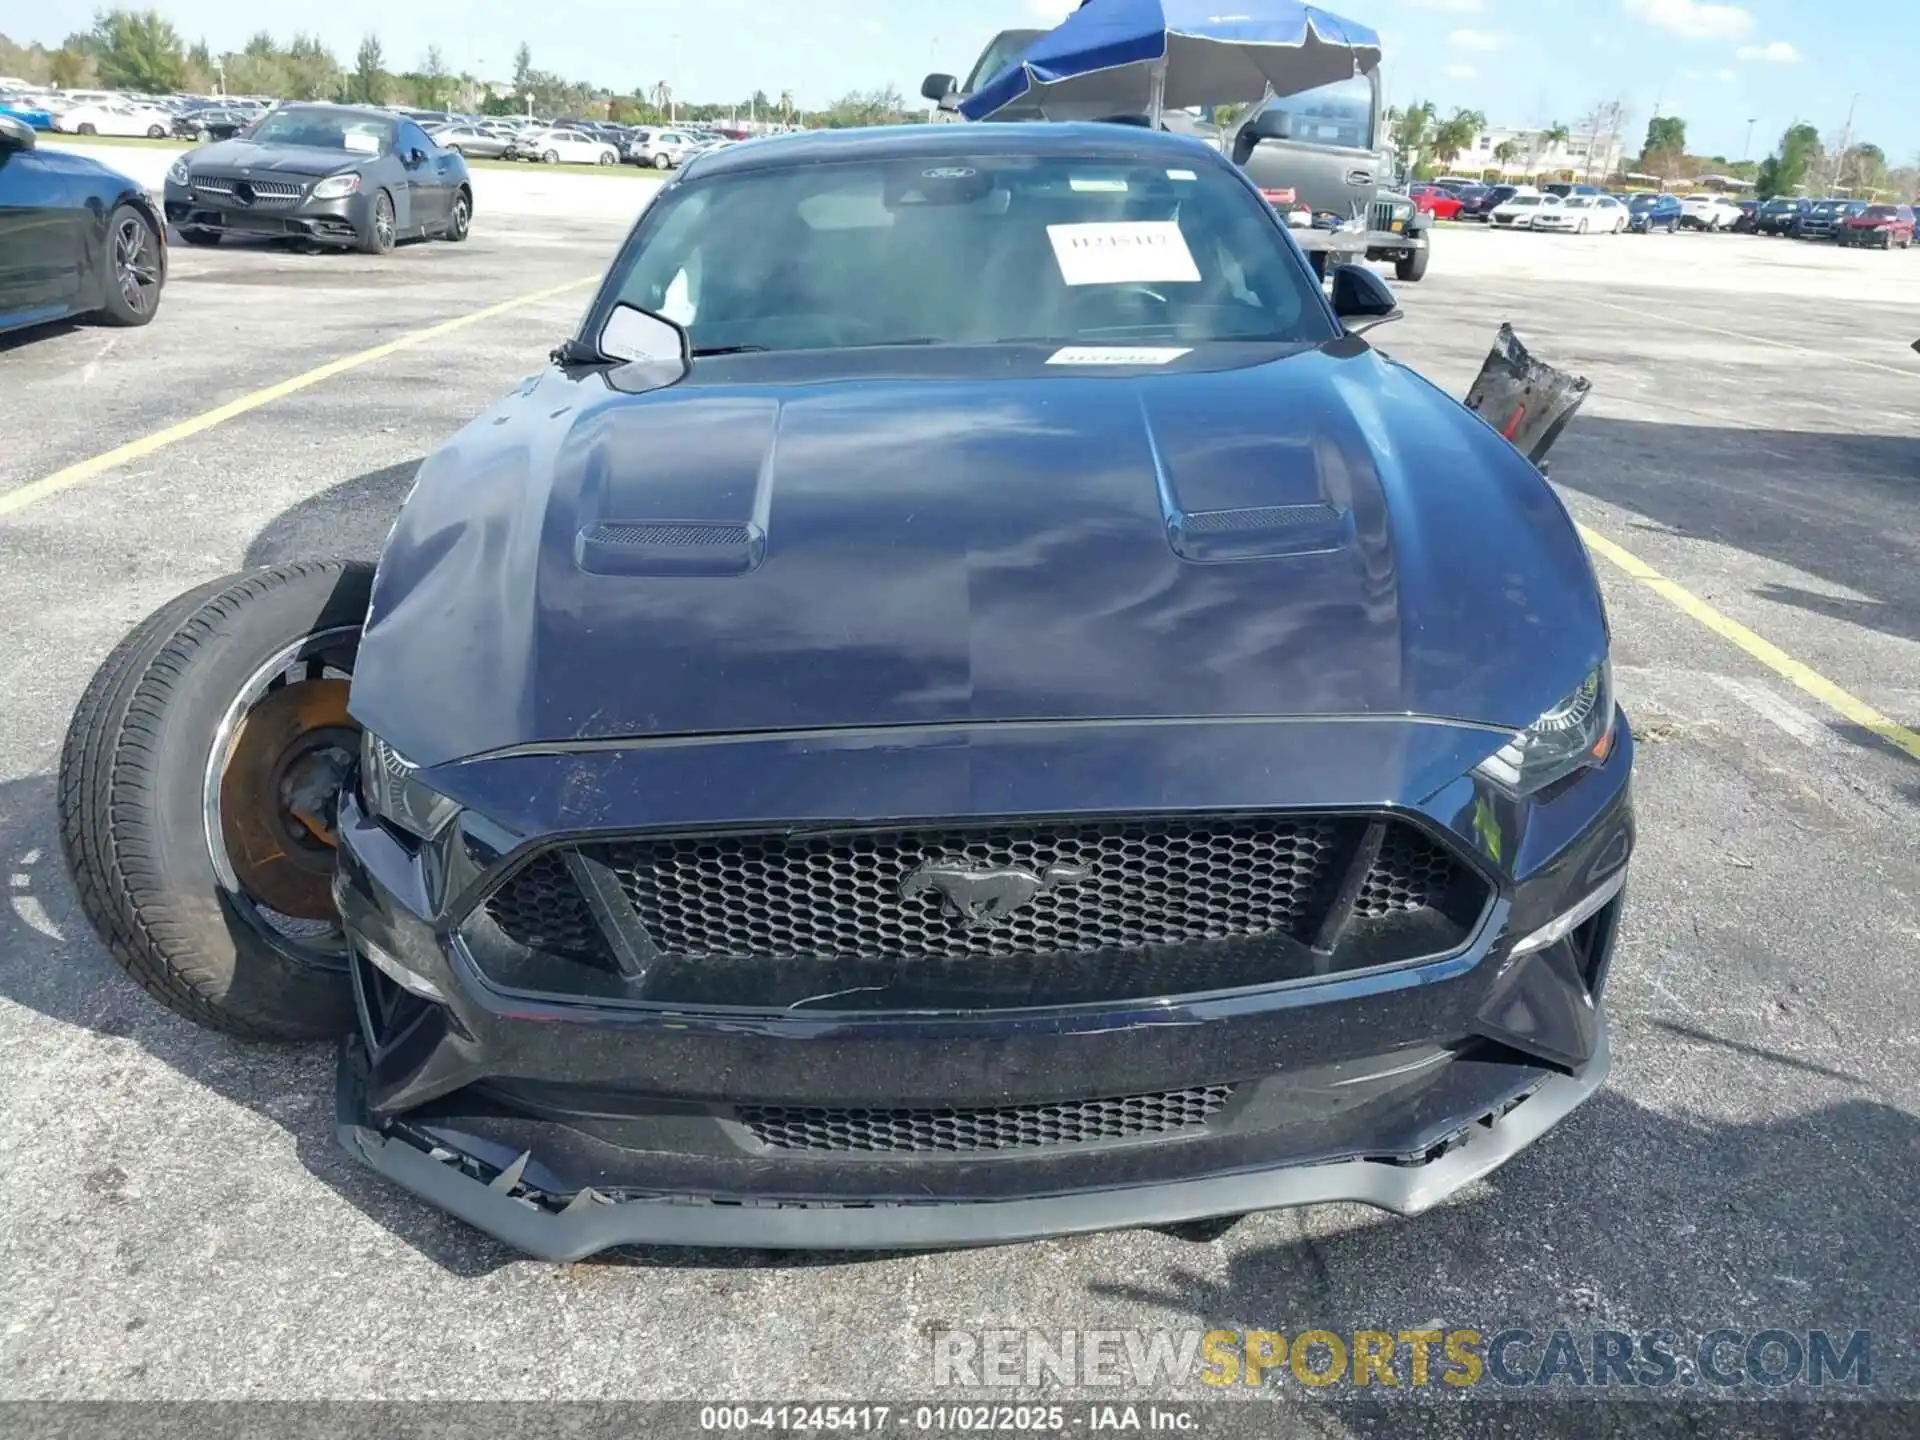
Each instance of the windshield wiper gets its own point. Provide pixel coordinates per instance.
(706, 350)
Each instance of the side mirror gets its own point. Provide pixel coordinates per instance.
(635, 335)
(16, 134)
(1362, 299)
(1271, 125)
(938, 87)
(416, 156)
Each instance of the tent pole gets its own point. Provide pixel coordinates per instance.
(1157, 92)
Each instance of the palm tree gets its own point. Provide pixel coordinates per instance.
(662, 97)
(786, 107)
(1506, 152)
(1456, 133)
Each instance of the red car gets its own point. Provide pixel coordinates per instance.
(1440, 203)
(1884, 226)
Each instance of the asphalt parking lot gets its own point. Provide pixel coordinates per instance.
(176, 1220)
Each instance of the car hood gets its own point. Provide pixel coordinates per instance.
(286, 159)
(968, 535)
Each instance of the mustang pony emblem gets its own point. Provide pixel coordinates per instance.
(982, 894)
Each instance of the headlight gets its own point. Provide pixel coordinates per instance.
(177, 173)
(336, 186)
(391, 792)
(1576, 733)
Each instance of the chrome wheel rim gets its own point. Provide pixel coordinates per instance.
(462, 215)
(327, 655)
(135, 266)
(383, 221)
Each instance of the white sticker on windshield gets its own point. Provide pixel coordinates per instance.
(361, 144)
(1183, 175)
(1114, 355)
(1123, 253)
(1092, 185)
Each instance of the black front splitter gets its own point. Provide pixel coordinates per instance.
(590, 1223)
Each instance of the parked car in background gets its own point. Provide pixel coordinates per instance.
(1781, 215)
(1827, 216)
(567, 147)
(76, 237)
(1647, 213)
(1436, 200)
(33, 116)
(1884, 227)
(662, 149)
(1749, 217)
(1583, 214)
(1707, 212)
(331, 174)
(1522, 209)
(1481, 206)
(204, 123)
(116, 118)
(473, 142)
(1564, 188)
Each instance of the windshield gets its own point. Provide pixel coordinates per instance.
(323, 130)
(1578, 202)
(973, 250)
(1879, 212)
(1338, 114)
(1007, 47)
(1524, 200)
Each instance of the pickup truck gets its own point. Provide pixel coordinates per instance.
(1314, 156)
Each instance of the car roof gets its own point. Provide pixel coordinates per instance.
(1093, 141)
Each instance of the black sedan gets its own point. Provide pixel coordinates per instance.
(1015, 719)
(76, 238)
(332, 174)
(212, 122)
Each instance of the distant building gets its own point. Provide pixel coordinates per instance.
(1581, 154)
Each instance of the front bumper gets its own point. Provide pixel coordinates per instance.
(565, 1125)
(331, 222)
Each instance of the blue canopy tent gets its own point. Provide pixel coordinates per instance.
(1141, 57)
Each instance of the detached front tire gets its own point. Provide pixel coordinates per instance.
(197, 786)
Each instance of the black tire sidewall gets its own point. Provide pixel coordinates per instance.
(114, 308)
(143, 812)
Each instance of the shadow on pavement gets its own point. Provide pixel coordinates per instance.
(1841, 508)
(349, 520)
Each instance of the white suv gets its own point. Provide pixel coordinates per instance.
(662, 149)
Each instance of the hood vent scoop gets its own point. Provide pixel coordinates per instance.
(1256, 532)
(670, 547)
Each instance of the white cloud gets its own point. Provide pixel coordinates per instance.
(1462, 72)
(1483, 41)
(1723, 75)
(1694, 19)
(1777, 53)
(1455, 7)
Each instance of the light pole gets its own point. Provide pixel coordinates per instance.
(673, 112)
(1746, 150)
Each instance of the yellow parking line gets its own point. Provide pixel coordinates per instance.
(1765, 651)
(36, 490)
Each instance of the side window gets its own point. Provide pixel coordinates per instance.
(411, 137)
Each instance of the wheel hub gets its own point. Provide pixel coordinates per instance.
(280, 791)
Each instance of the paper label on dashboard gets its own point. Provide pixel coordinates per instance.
(1135, 252)
(361, 144)
(1116, 355)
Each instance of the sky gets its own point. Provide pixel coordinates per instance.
(1717, 63)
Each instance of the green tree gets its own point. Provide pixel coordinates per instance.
(1791, 165)
(1410, 130)
(312, 72)
(439, 85)
(368, 83)
(522, 66)
(70, 69)
(1456, 133)
(138, 50)
(1507, 151)
(1665, 147)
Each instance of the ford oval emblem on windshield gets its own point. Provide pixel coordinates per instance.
(949, 172)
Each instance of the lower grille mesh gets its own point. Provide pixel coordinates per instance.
(1016, 1127)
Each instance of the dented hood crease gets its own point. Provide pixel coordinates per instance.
(1323, 534)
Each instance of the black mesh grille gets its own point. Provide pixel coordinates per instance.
(1113, 886)
(989, 917)
(1014, 1127)
(1264, 517)
(675, 535)
(1412, 873)
(542, 909)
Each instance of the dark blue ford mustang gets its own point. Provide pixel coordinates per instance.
(964, 705)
